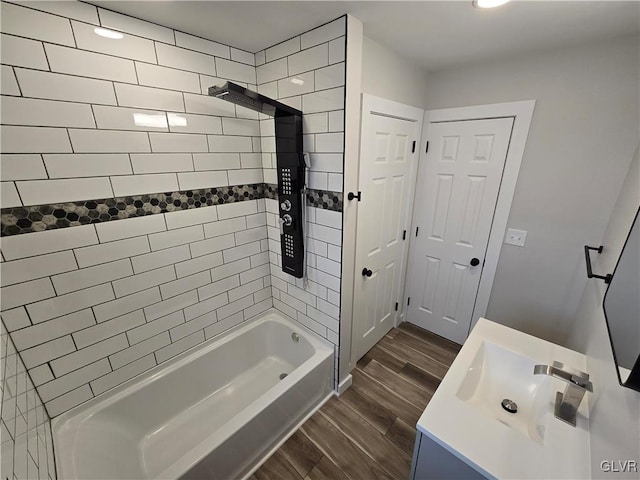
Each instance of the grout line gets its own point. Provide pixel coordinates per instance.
(73, 33)
(15, 76)
(15, 186)
(44, 49)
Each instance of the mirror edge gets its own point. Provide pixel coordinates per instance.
(633, 380)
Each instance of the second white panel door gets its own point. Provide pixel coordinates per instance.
(456, 196)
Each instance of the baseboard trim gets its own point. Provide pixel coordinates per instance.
(344, 384)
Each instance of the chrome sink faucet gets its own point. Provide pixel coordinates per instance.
(567, 403)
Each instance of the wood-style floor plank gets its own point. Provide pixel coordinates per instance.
(402, 435)
(430, 337)
(412, 393)
(366, 385)
(392, 333)
(415, 357)
(428, 349)
(325, 469)
(420, 377)
(377, 415)
(353, 462)
(301, 453)
(383, 357)
(277, 468)
(388, 455)
(369, 432)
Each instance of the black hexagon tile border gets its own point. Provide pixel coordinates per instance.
(20, 220)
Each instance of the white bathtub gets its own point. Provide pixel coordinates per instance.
(213, 412)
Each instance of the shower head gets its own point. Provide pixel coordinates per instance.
(244, 97)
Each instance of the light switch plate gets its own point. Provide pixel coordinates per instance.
(516, 237)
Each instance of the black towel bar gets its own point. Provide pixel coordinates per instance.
(590, 274)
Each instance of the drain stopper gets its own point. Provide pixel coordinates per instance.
(509, 405)
(283, 375)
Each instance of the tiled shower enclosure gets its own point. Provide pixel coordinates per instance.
(139, 215)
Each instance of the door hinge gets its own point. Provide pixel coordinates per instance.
(417, 228)
(413, 148)
(408, 301)
(352, 196)
(404, 234)
(427, 149)
(396, 306)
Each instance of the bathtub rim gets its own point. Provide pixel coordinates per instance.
(323, 349)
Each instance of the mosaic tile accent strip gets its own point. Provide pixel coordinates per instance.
(21, 220)
(325, 199)
(315, 198)
(270, 191)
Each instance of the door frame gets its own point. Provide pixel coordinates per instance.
(522, 113)
(388, 108)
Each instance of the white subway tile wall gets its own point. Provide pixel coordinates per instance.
(26, 448)
(119, 297)
(308, 73)
(125, 295)
(90, 96)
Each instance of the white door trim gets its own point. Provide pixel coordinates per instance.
(387, 108)
(522, 112)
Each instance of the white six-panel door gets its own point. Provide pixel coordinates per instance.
(458, 186)
(387, 179)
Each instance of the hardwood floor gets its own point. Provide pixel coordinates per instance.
(368, 432)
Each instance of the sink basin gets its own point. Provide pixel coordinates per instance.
(466, 416)
(496, 374)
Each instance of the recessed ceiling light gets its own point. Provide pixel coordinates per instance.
(103, 32)
(488, 3)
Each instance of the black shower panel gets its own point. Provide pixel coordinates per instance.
(290, 169)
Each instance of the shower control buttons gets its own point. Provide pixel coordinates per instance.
(288, 220)
(286, 181)
(286, 205)
(288, 245)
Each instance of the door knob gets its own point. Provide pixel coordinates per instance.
(474, 262)
(366, 272)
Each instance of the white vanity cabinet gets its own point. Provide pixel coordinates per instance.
(433, 462)
(493, 414)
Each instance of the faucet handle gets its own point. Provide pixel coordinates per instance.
(567, 374)
(582, 382)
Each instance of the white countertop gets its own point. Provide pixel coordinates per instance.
(480, 437)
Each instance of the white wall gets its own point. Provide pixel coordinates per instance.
(582, 137)
(388, 75)
(614, 410)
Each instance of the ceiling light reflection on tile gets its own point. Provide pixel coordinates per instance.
(297, 81)
(177, 120)
(103, 32)
(489, 3)
(153, 121)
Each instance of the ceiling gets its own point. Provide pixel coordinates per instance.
(435, 35)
